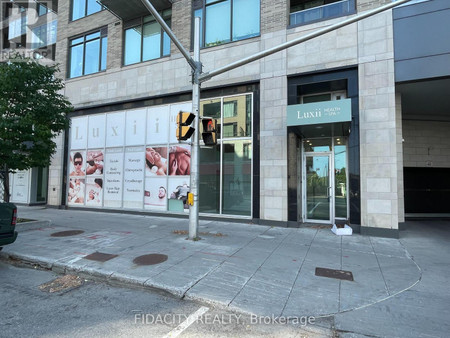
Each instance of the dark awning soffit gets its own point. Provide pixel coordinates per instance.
(130, 9)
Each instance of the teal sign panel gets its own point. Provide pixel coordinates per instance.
(319, 112)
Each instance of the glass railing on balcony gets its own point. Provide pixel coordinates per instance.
(335, 9)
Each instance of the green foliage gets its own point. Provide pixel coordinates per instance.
(33, 111)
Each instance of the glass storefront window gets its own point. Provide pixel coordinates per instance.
(132, 160)
(212, 108)
(210, 180)
(340, 177)
(236, 117)
(317, 145)
(237, 177)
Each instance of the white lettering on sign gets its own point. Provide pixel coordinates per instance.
(77, 137)
(309, 115)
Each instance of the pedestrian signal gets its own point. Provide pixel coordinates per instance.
(209, 131)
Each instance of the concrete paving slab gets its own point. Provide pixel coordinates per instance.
(399, 273)
(388, 246)
(361, 259)
(262, 298)
(307, 279)
(307, 302)
(213, 292)
(353, 296)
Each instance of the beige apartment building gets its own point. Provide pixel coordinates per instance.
(337, 129)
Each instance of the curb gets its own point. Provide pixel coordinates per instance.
(89, 272)
(32, 225)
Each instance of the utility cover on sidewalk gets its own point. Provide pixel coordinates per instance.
(100, 257)
(331, 273)
(151, 259)
(67, 233)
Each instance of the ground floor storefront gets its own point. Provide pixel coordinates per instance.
(320, 157)
(130, 159)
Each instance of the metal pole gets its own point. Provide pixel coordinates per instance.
(208, 75)
(195, 150)
(169, 32)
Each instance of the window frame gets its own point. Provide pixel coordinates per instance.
(103, 31)
(202, 5)
(133, 23)
(85, 10)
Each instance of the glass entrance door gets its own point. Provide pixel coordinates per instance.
(319, 200)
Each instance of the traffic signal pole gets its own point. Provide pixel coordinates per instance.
(198, 78)
(195, 149)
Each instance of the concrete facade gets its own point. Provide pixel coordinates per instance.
(366, 46)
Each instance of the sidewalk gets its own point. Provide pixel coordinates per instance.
(263, 270)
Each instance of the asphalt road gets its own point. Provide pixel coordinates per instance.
(30, 308)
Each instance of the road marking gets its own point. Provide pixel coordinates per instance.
(188, 322)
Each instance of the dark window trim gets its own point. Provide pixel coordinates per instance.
(86, 15)
(103, 33)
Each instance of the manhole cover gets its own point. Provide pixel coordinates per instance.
(67, 233)
(331, 273)
(151, 259)
(100, 257)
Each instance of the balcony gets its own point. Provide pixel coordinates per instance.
(319, 13)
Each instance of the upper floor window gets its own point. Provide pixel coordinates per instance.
(87, 53)
(82, 8)
(145, 39)
(308, 11)
(227, 20)
(44, 35)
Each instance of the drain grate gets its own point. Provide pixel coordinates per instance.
(100, 256)
(337, 274)
(67, 233)
(150, 259)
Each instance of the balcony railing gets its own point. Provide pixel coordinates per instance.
(319, 13)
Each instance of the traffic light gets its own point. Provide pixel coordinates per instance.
(184, 129)
(209, 131)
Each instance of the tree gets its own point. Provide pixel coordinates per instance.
(33, 111)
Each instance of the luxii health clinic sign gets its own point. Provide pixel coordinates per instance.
(319, 112)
